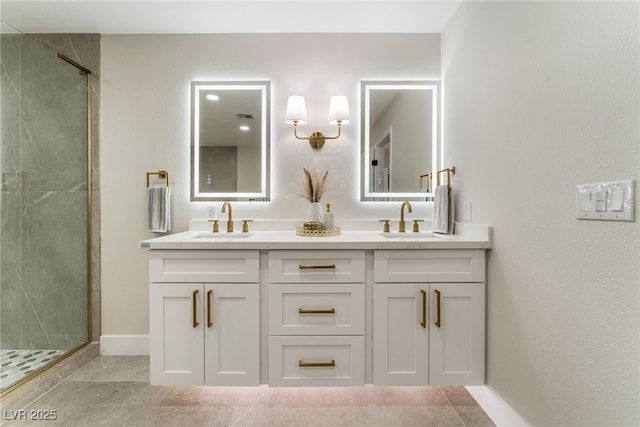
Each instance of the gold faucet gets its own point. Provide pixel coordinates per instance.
(230, 220)
(401, 225)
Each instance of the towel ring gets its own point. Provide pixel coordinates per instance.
(161, 174)
(429, 177)
(450, 171)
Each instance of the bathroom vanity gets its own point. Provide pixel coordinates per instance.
(276, 308)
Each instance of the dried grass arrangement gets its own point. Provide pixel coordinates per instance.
(315, 185)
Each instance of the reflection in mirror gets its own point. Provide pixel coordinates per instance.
(400, 139)
(230, 140)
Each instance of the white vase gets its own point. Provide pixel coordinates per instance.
(314, 213)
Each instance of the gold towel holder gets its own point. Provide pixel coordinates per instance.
(161, 174)
(429, 177)
(450, 171)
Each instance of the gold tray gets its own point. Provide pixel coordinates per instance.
(318, 233)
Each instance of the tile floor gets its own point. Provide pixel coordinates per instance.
(115, 391)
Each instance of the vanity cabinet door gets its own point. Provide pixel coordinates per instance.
(400, 334)
(204, 334)
(176, 333)
(457, 334)
(232, 334)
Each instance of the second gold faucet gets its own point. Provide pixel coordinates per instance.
(401, 227)
(230, 219)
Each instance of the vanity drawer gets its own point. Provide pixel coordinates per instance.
(311, 309)
(316, 361)
(317, 266)
(204, 266)
(429, 266)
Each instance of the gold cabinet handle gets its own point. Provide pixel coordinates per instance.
(194, 299)
(305, 311)
(310, 267)
(424, 309)
(209, 322)
(303, 364)
(437, 308)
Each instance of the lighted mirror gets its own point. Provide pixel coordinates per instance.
(230, 140)
(400, 139)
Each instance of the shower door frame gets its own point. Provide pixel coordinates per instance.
(17, 384)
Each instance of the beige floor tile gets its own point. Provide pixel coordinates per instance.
(458, 396)
(473, 416)
(115, 391)
(110, 368)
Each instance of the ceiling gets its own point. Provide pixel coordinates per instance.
(225, 16)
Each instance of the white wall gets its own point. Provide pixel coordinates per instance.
(145, 127)
(539, 97)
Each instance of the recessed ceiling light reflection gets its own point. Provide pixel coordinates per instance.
(245, 128)
(212, 97)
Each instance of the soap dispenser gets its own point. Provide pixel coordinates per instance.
(329, 219)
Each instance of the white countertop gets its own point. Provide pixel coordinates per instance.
(468, 236)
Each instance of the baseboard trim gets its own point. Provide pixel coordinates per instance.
(124, 345)
(497, 409)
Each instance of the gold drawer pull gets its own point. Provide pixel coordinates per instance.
(438, 323)
(304, 364)
(329, 311)
(311, 267)
(209, 322)
(194, 299)
(424, 309)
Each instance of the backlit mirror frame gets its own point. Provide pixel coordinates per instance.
(365, 95)
(264, 89)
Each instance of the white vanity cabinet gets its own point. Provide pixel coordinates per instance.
(429, 317)
(286, 310)
(204, 310)
(316, 317)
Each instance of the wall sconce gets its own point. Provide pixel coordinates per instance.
(297, 114)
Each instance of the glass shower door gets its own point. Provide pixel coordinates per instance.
(44, 208)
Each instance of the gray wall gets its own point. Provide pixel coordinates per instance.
(44, 197)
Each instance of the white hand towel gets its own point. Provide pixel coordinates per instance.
(443, 210)
(159, 209)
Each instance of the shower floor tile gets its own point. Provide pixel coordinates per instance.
(16, 364)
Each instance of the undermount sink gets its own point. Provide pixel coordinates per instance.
(409, 235)
(211, 235)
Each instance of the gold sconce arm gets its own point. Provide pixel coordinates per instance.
(316, 139)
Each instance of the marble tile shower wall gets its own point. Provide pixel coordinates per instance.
(43, 198)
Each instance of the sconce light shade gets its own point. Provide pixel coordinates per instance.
(296, 110)
(339, 110)
(297, 114)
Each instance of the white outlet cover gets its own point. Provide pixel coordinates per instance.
(467, 211)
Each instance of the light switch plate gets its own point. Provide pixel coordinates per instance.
(608, 201)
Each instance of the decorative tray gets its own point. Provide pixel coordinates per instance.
(300, 231)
